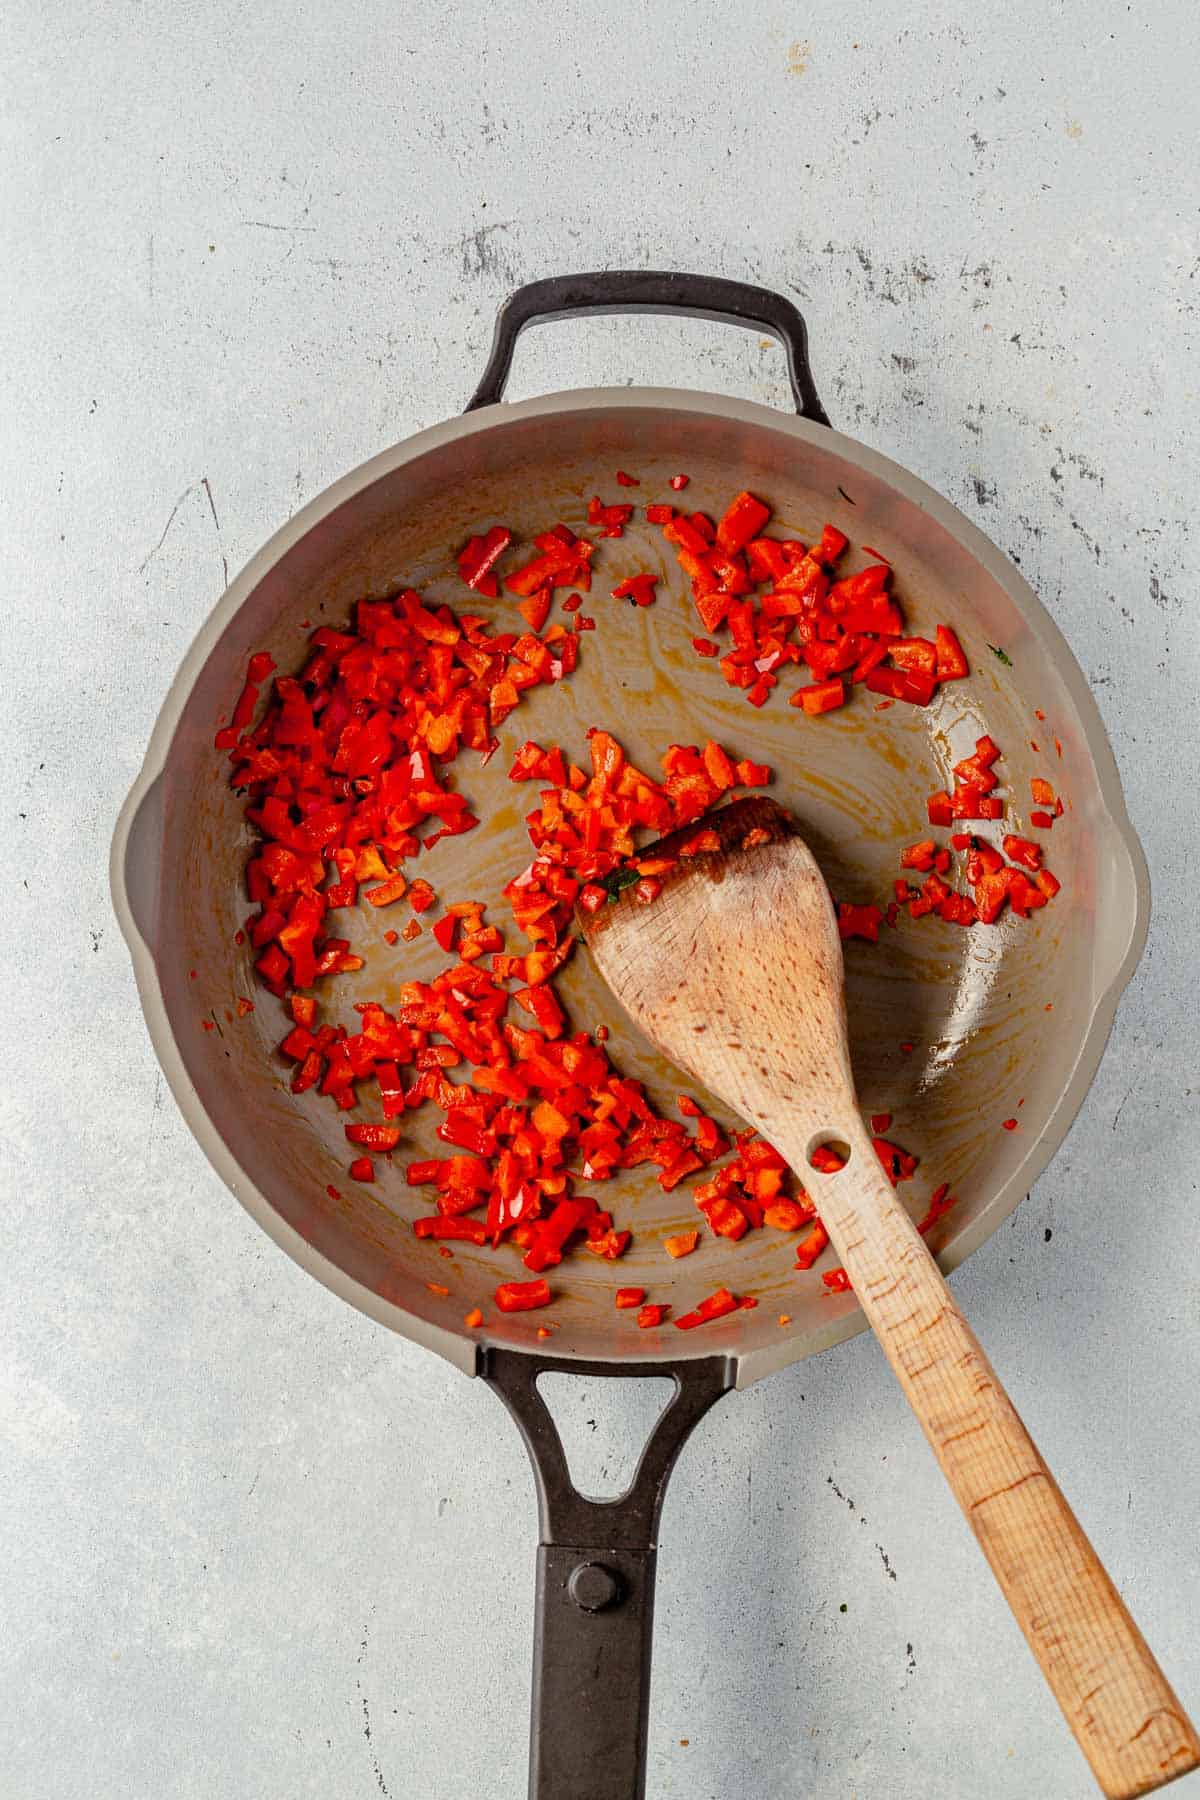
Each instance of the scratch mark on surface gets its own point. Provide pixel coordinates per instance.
(143, 566)
(891, 1573)
(481, 257)
(1121, 1108)
(362, 1651)
(212, 507)
(845, 1498)
(155, 1109)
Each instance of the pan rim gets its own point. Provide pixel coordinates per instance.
(463, 1349)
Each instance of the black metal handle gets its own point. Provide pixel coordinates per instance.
(652, 291)
(595, 1581)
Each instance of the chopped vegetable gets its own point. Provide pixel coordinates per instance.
(682, 1244)
(522, 1296)
(347, 779)
(715, 1306)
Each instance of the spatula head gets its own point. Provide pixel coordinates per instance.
(735, 971)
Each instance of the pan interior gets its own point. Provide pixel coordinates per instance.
(953, 1031)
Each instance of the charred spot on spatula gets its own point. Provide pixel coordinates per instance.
(704, 847)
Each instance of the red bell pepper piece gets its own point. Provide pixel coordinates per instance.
(811, 1246)
(951, 658)
(832, 543)
(682, 1243)
(715, 1306)
(522, 1296)
(900, 684)
(1021, 850)
(860, 922)
(917, 655)
(682, 532)
(374, 1137)
(651, 1316)
(453, 1230)
(638, 588)
(821, 697)
(478, 559)
(743, 520)
(630, 1296)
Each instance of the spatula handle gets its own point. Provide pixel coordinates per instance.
(1115, 1698)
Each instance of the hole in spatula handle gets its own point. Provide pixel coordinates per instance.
(827, 1152)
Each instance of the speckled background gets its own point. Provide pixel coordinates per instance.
(254, 1546)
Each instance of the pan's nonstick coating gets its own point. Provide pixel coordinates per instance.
(1001, 1022)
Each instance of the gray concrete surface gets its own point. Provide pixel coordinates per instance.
(254, 1546)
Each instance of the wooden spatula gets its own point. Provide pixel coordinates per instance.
(735, 972)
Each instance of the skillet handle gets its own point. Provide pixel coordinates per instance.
(651, 291)
(595, 1581)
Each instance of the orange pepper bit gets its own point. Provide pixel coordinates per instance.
(682, 1244)
(473, 1319)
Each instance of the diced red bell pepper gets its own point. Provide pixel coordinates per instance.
(629, 1297)
(743, 520)
(715, 1306)
(652, 1316)
(374, 1137)
(682, 1243)
(951, 658)
(1022, 850)
(901, 684)
(522, 1296)
(917, 655)
(811, 1246)
(832, 543)
(453, 1230)
(859, 922)
(638, 588)
(477, 560)
(821, 697)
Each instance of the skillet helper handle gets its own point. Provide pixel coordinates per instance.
(1117, 1701)
(652, 291)
(595, 1581)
